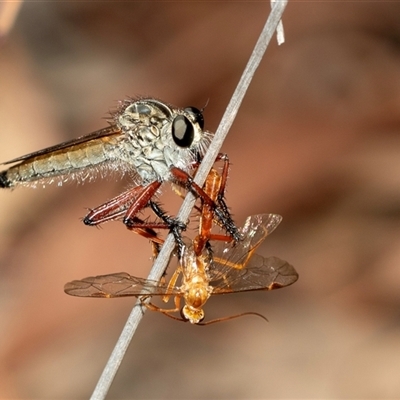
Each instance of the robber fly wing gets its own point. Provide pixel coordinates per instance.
(259, 274)
(111, 130)
(117, 285)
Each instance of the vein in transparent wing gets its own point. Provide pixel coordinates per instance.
(260, 274)
(237, 268)
(255, 230)
(260, 223)
(117, 285)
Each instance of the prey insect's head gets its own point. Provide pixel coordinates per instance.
(193, 315)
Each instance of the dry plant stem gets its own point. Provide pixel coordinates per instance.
(161, 263)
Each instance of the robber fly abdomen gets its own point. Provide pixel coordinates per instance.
(76, 161)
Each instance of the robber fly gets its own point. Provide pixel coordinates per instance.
(148, 139)
(231, 268)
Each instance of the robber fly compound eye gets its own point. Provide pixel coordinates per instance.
(182, 131)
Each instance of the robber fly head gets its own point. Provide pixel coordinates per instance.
(161, 136)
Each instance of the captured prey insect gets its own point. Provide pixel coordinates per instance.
(148, 139)
(232, 268)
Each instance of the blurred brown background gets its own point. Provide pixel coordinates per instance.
(316, 140)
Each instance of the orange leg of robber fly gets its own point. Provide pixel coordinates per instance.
(220, 213)
(214, 187)
(211, 187)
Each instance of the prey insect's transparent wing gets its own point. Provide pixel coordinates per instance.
(236, 268)
(118, 285)
(255, 230)
(259, 274)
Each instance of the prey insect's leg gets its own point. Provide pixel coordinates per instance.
(172, 283)
(166, 312)
(166, 297)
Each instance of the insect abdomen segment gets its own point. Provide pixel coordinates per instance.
(57, 163)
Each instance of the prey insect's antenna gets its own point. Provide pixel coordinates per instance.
(223, 319)
(214, 321)
(161, 262)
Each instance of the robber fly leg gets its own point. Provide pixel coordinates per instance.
(140, 202)
(224, 178)
(113, 209)
(175, 225)
(224, 217)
